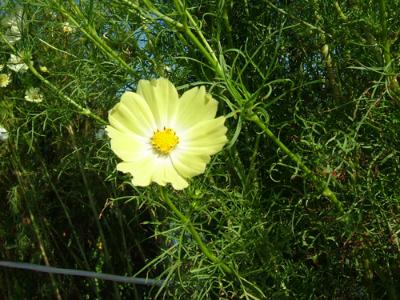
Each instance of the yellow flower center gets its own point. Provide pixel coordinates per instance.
(4, 80)
(164, 141)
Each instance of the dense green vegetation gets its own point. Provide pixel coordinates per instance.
(302, 203)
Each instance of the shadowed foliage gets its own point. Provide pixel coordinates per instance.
(319, 76)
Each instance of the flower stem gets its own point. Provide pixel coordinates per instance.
(205, 48)
(386, 45)
(208, 51)
(319, 183)
(196, 236)
(90, 32)
(82, 110)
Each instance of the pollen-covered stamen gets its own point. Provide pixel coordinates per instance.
(164, 141)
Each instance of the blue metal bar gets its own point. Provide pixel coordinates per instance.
(73, 272)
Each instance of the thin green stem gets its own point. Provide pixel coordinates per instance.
(386, 44)
(384, 37)
(311, 26)
(91, 34)
(159, 14)
(326, 53)
(5, 40)
(200, 34)
(227, 24)
(201, 43)
(210, 56)
(92, 205)
(28, 192)
(325, 190)
(81, 109)
(340, 12)
(196, 236)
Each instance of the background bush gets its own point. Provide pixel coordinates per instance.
(321, 75)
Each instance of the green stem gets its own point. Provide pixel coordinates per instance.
(228, 26)
(325, 190)
(153, 9)
(29, 192)
(82, 110)
(384, 37)
(340, 12)
(386, 47)
(91, 34)
(201, 43)
(311, 26)
(325, 51)
(196, 236)
(210, 56)
(200, 34)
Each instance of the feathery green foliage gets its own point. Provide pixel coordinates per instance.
(302, 203)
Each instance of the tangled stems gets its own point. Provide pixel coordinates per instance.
(326, 191)
(386, 47)
(82, 110)
(201, 43)
(90, 32)
(196, 236)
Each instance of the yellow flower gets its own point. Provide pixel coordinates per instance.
(43, 69)
(33, 95)
(4, 80)
(162, 137)
(67, 28)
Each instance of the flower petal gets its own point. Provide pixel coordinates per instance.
(189, 164)
(177, 181)
(128, 147)
(132, 114)
(156, 106)
(166, 173)
(153, 168)
(162, 98)
(141, 171)
(205, 138)
(195, 106)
